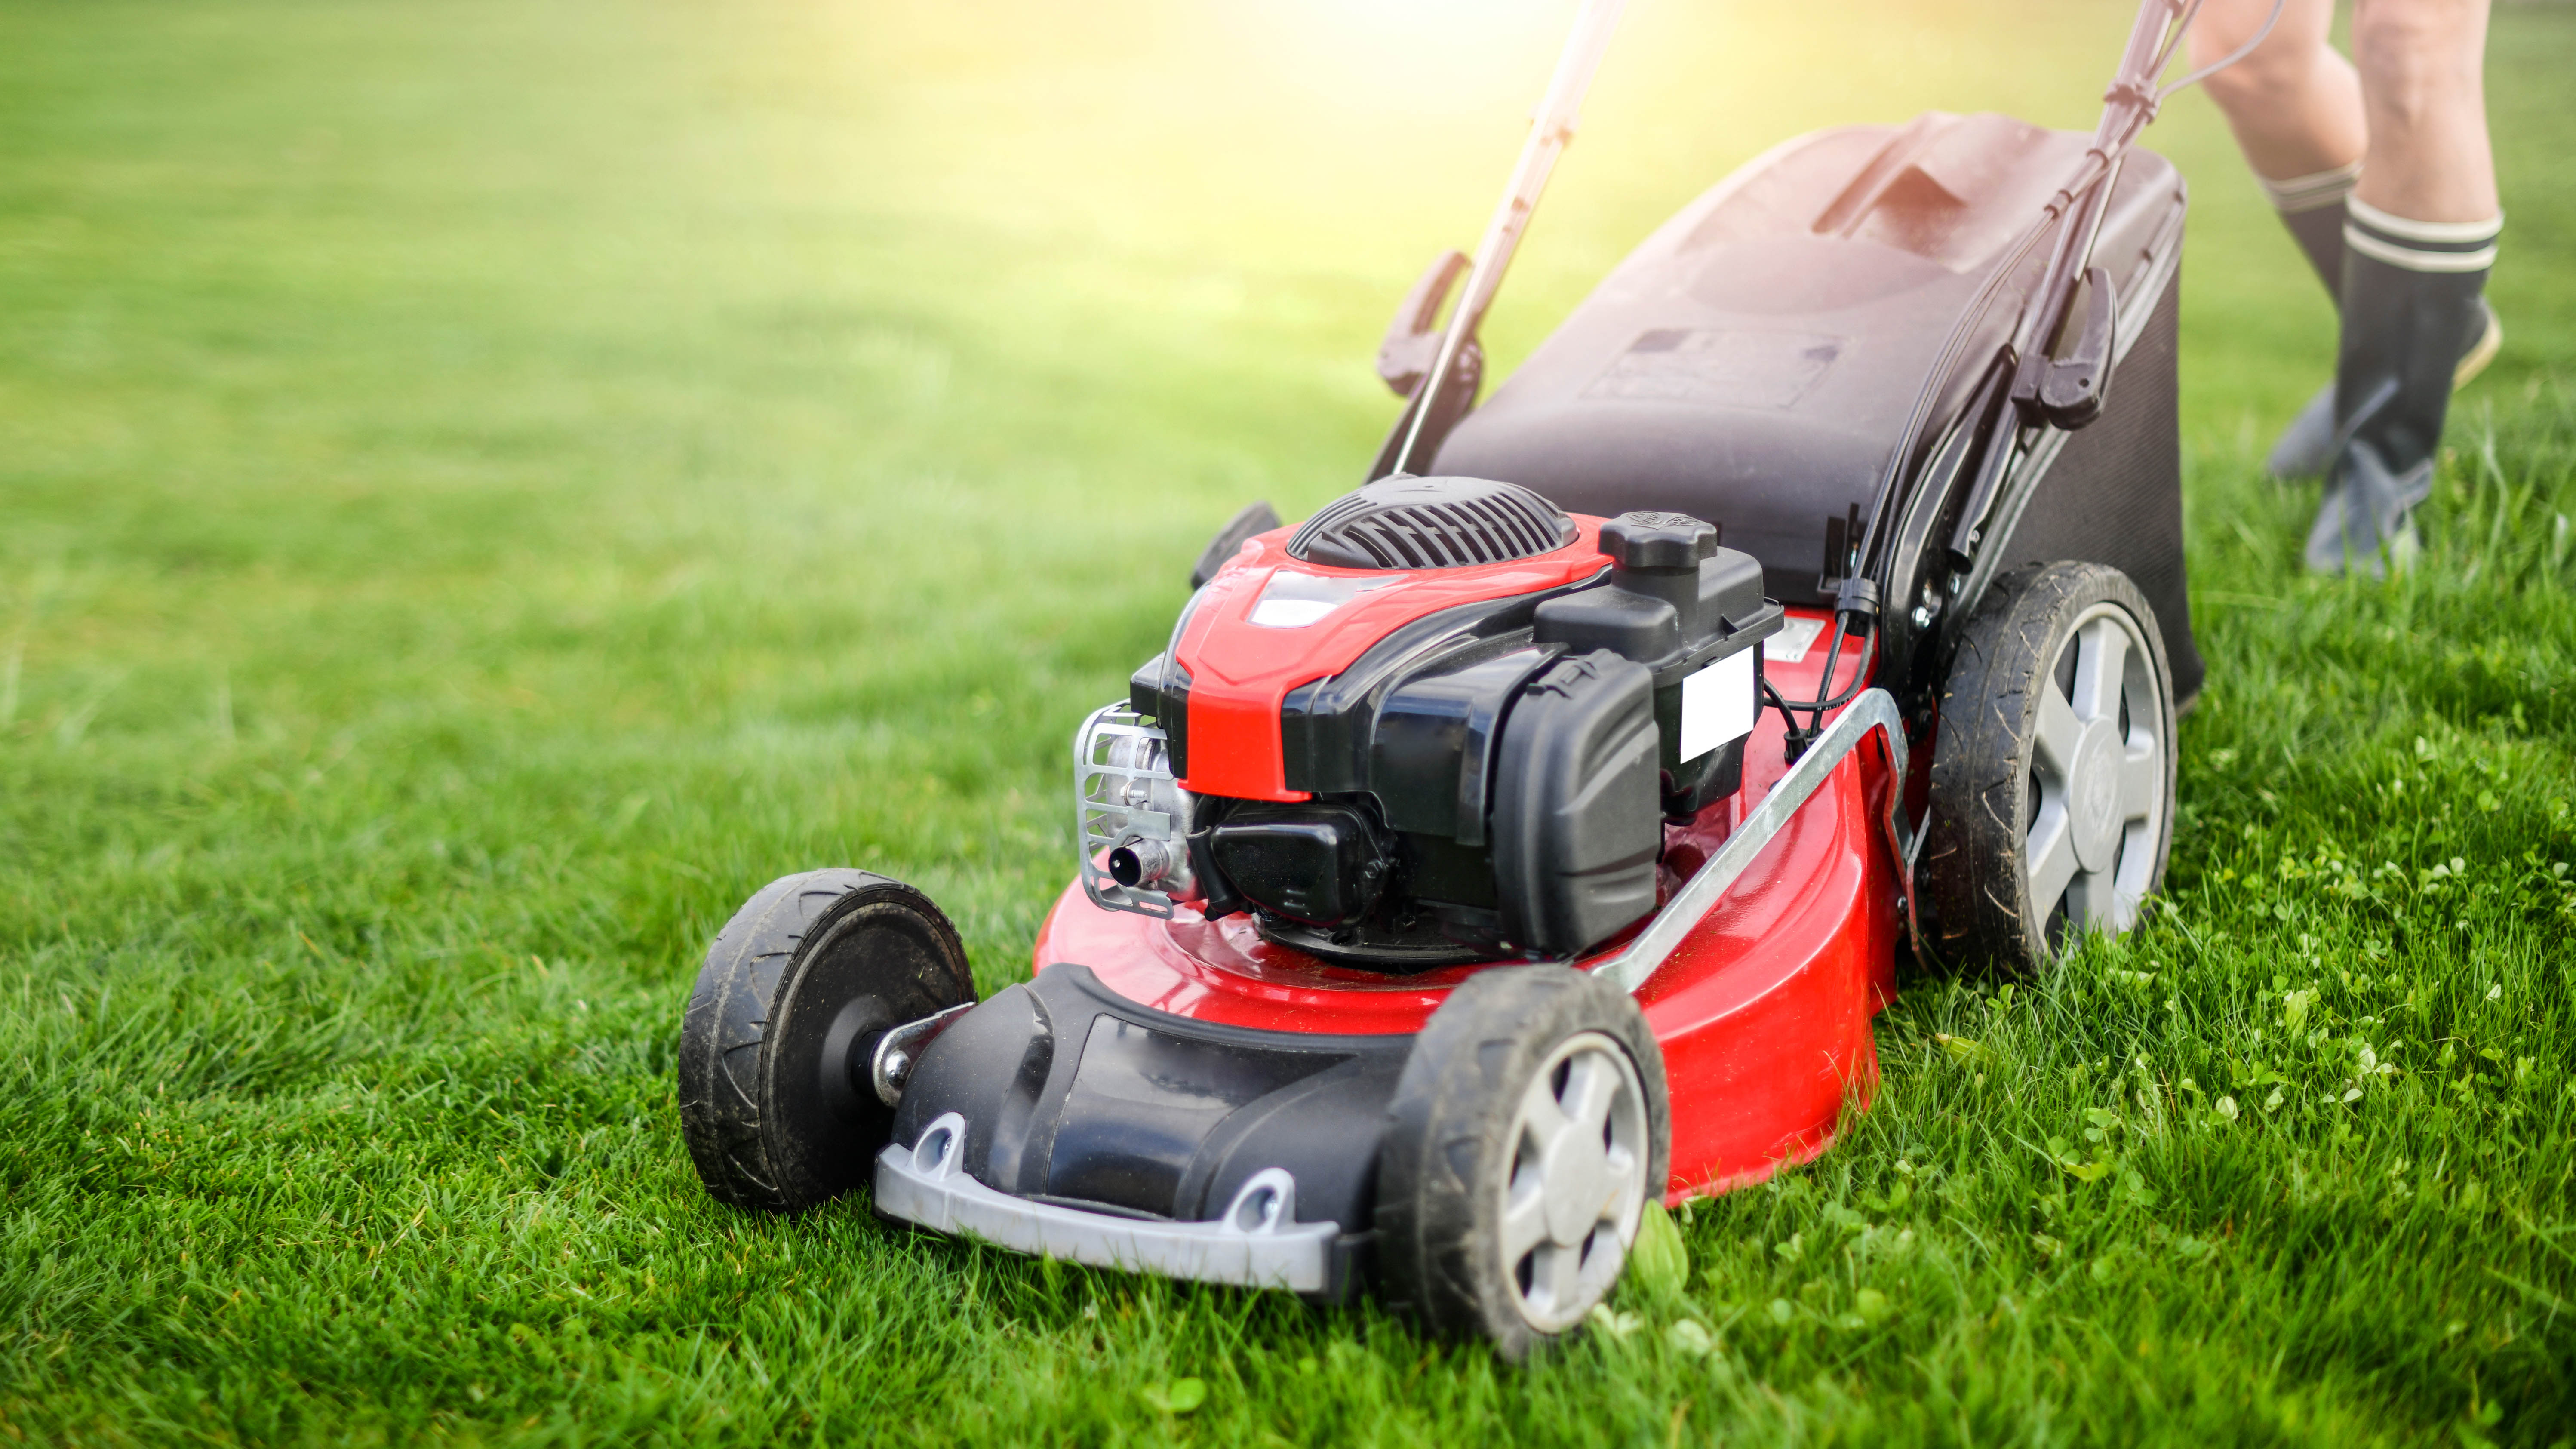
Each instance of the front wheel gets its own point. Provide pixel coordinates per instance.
(2053, 774)
(1526, 1133)
(775, 1100)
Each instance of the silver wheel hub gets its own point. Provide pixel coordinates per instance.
(1571, 1184)
(2099, 766)
(2093, 795)
(1576, 1184)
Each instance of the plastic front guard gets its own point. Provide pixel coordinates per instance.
(1255, 1243)
(1063, 1118)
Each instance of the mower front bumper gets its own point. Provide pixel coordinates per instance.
(1060, 1118)
(1257, 1243)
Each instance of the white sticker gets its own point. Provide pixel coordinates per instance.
(1290, 613)
(1717, 704)
(1797, 635)
(1293, 600)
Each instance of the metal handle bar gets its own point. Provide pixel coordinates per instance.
(1549, 132)
(1874, 710)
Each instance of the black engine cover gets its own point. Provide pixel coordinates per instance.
(1491, 779)
(1318, 864)
(1577, 822)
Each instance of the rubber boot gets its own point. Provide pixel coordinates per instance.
(2307, 445)
(2411, 309)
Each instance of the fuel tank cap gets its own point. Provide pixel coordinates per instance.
(1658, 541)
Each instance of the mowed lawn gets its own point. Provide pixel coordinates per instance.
(484, 486)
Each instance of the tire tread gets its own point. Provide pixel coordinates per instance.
(725, 1031)
(1454, 1100)
(1971, 860)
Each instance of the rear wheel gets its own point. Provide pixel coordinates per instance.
(2053, 776)
(1526, 1134)
(775, 1099)
(1253, 519)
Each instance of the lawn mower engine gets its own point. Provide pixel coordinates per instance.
(1442, 722)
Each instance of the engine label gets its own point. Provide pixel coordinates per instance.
(1790, 645)
(1717, 704)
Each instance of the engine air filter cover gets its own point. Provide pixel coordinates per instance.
(1432, 523)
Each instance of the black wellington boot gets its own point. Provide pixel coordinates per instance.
(2411, 309)
(2306, 447)
(2311, 207)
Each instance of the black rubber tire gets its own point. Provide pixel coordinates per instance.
(775, 1103)
(1974, 871)
(1251, 519)
(1446, 1151)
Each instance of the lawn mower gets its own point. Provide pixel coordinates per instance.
(1533, 832)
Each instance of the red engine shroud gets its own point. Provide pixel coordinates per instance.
(1764, 1010)
(1241, 672)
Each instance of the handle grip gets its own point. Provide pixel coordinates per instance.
(2073, 388)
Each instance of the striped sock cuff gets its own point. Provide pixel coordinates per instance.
(2420, 246)
(2312, 192)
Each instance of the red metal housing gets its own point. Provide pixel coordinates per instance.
(1241, 671)
(1764, 1011)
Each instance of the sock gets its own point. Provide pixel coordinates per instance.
(2311, 207)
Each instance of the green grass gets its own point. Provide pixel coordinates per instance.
(483, 487)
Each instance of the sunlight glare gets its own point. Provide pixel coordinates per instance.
(1405, 57)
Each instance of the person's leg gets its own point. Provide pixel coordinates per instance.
(2296, 108)
(2419, 236)
(2423, 87)
(2425, 94)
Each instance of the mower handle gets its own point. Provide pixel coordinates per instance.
(2128, 105)
(1550, 129)
(2042, 390)
(1404, 358)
